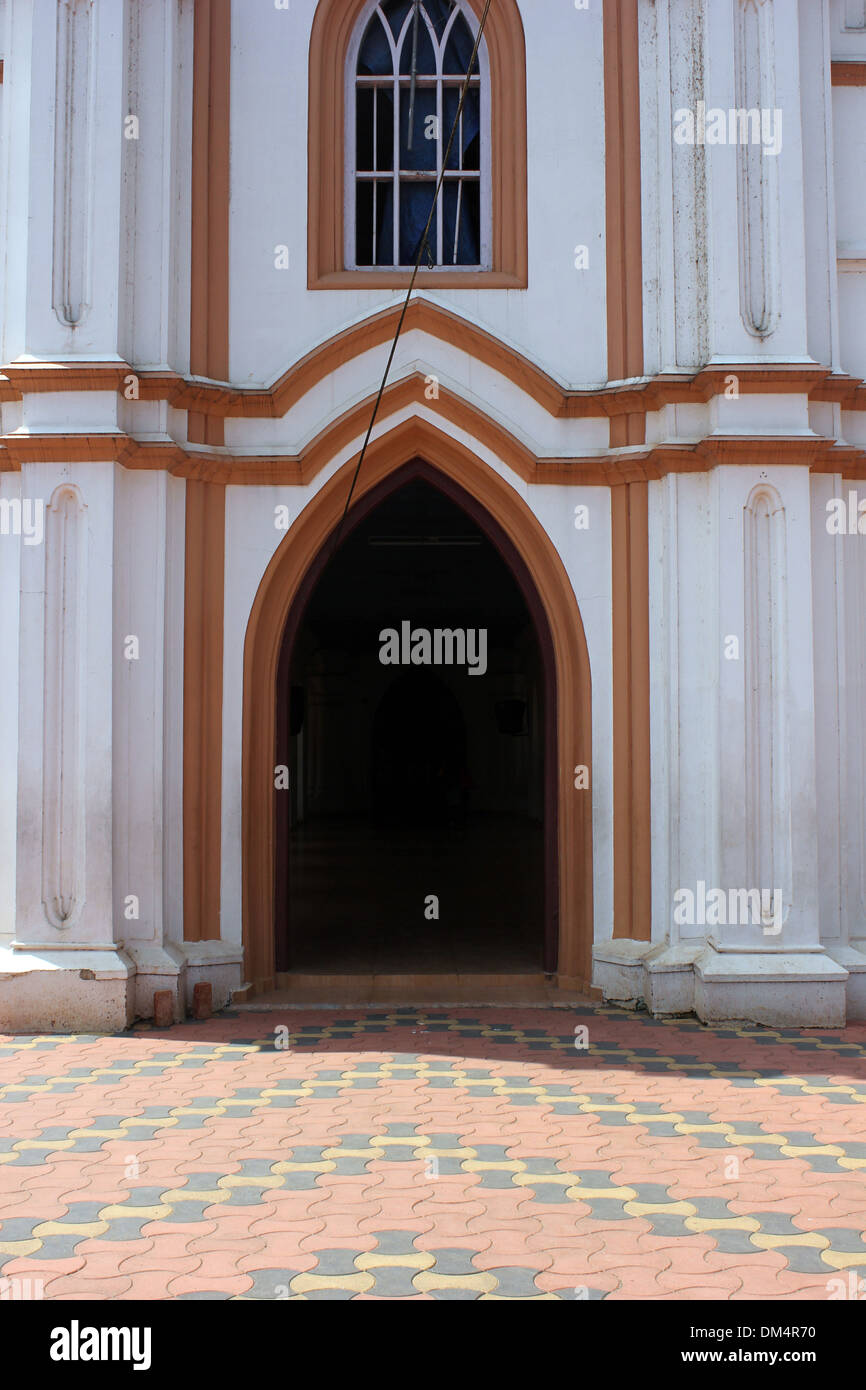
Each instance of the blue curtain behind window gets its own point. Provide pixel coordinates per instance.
(416, 199)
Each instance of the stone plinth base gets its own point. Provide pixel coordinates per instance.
(220, 963)
(853, 959)
(794, 989)
(783, 990)
(75, 991)
(158, 968)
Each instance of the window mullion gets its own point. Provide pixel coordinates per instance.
(375, 221)
(440, 155)
(375, 170)
(395, 161)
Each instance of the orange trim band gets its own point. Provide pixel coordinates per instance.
(209, 278)
(630, 542)
(848, 74)
(205, 504)
(623, 204)
(202, 710)
(605, 470)
(423, 315)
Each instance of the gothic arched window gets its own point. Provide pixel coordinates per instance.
(407, 64)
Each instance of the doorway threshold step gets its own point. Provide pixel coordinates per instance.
(296, 989)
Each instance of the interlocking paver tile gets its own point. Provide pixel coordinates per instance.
(435, 1154)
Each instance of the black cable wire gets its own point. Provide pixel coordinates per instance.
(421, 246)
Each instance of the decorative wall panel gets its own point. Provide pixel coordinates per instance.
(768, 788)
(73, 159)
(757, 170)
(63, 770)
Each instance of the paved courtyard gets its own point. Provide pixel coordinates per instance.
(469, 1153)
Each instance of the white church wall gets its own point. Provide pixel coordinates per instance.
(141, 649)
(10, 561)
(831, 680)
(74, 180)
(849, 158)
(66, 971)
(586, 556)
(172, 714)
(684, 596)
(65, 710)
(849, 162)
(816, 104)
(559, 321)
(674, 248)
(767, 695)
(853, 751)
(15, 156)
(848, 28)
(852, 339)
(755, 219)
(155, 164)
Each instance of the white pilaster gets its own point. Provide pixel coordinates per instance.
(63, 969)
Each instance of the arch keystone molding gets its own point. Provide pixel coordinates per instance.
(333, 26)
(278, 590)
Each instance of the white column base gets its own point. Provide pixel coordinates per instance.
(618, 970)
(66, 991)
(158, 968)
(803, 989)
(795, 989)
(219, 962)
(669, 977)
(853, 959)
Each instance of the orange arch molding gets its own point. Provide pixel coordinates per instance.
(277, 591)
(333, 26)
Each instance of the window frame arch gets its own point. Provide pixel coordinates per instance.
(351, 85)
(335, 25)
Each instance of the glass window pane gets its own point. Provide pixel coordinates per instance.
(471, 127)
(459, 49)
(395, 12)
(374, 58)
(384, 128)
(364, 129)
(438, 12)
(426, 62)
(422, 155)
(364, 224)
(385, 223)
(461, 215)
(416, 200)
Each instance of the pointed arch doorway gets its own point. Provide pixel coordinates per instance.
(276, 707)
(415, 711)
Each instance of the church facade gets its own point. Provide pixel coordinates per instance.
(533, 665)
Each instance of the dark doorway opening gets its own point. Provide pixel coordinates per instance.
(417, 832)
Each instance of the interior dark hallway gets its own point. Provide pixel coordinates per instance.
(412, 829)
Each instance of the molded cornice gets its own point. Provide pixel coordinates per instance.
(273, 402)
(610, 469)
